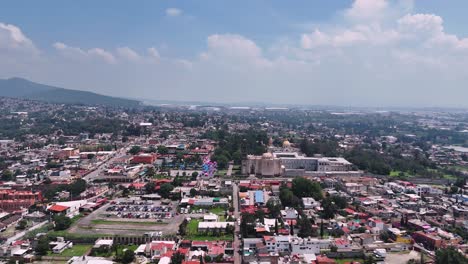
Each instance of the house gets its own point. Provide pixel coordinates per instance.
(159, 249)
(289, 215)
(59, 209)
(103, 244)
(60, 245)
(310, 203)
(309, 245)
(210, 218)
(219, 226)
(341, 243)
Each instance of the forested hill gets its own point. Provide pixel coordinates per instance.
(22, 88)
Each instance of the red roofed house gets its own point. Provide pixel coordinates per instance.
(144, 158)
(59, 209)
(12, 200)
(159, 249)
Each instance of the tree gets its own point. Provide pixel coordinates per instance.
(165, 190)
(42, 246)
(62, 222)
(193, 192)
(369, 260)
(321, 229)
(183, 227)
(260, 215)
(194, 175)
(177, 181)
(22, 224)
(162, 150)
(329, 208)
(150, 172)
(288, 198)
(207, 259)
(7, 175)
(135, 150)
(274, 207)
(450, 255)
(177, 258)
(221, 160)
(305, 228)
(302, 187)
(150, 187)
(247, 225)
(128, 256)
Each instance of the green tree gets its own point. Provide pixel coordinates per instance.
(150, 172)
(134, 150)
(162, 150)
(150, 187)
(22, 224)
(193, 192)
(62, 222)
(305, 227)
(177, 258)
(7, 175)
(302, 187)
(274, 207)
(165, 190)
(450, 255)
(42, 246)
(128, 256)
(329, 208)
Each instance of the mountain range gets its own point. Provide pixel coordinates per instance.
(25, 89)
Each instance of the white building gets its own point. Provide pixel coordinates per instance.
(309, 245)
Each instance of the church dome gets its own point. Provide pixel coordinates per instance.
(286, 144)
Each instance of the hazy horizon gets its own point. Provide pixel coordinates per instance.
(362, 53)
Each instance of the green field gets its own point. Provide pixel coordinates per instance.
(217, 210)
(110, 222)
(395, 173)
(76, 250)
(192, 233)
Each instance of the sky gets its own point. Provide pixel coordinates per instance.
(345, 52)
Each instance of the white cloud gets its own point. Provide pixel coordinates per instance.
(173, 12)
(12, 39)
(128, 54)
(367, 9)
(315, 39)
(80, 54)
(154, 53)
(375, 53)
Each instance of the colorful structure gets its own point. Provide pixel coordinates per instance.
(209, 167)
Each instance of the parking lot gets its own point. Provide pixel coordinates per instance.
(127, 216)
(140, 210)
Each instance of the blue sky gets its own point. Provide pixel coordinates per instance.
(241, 51)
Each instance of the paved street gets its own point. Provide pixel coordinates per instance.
(23, 233)
(235, 201)
(102, 167)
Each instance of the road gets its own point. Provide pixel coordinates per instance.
(235, 202)
(23, 233)
(95, 173)
(229, 170)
